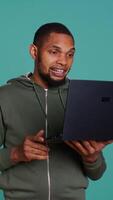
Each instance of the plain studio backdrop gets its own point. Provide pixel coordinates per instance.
(90, 21)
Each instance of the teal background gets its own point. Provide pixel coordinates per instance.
(91, 22)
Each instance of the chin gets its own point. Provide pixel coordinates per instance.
(56, 82)
(57, 79)
(52, 80)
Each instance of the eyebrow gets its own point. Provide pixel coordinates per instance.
(59, 48)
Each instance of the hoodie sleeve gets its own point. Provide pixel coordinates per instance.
(5, 161)
(95, 170)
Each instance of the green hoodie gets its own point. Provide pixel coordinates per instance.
(23, 112)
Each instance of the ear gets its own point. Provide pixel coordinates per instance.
(33, 51)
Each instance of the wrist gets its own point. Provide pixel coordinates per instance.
(90, 159)
(15, 155)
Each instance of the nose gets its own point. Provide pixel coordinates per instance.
(62, 59)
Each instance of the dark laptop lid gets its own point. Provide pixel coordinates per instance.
(89, 111)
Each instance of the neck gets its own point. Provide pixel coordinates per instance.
(36, 79)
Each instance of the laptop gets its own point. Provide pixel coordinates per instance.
(89, 111)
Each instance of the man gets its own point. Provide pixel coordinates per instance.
(31, 112)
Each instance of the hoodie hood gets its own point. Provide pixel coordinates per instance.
(27, 82)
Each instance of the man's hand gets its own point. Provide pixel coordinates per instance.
(89, 150)
(33, 148)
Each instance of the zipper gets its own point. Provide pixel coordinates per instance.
(46, 135)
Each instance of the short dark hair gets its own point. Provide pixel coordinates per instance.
(45, 30)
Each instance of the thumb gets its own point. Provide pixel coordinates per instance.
(108, 142)
(39, 136)
(40, 133)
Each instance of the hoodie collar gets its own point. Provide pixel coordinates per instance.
(26, 81)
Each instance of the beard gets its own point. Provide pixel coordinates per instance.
(51, 82)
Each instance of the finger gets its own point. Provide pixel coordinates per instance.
(42, 147)
(78, 147)
(36, 157)
(34, 145)
(35, 152)
(98, 146)
(88, 146)
(93, 143)
(108, 142)
(40, 133)
(82, 150)
(39, 137)
(42, 157)
(31, 144)
(70, 144)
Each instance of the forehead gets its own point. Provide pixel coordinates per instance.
(59, 39)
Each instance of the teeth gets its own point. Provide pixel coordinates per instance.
(59, 70)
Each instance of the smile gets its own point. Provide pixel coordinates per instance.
(57, 72)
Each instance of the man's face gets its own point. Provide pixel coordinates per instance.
(54, 58)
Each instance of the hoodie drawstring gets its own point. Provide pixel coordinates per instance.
(39, 100)
(61, 99)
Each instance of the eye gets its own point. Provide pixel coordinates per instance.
(70, 55)
(53, 51)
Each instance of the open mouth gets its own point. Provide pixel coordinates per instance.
(58, 72)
